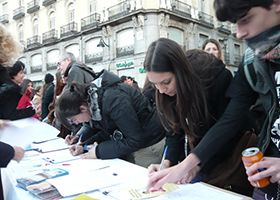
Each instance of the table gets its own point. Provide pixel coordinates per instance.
(103, 179)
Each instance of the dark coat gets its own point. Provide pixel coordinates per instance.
(6, 155)
(127, 110)
(47, 99)
(9, 98)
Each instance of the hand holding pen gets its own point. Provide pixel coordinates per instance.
(163, 164)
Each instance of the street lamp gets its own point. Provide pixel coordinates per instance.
(102, 43)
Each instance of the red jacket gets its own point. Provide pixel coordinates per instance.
(25, 102)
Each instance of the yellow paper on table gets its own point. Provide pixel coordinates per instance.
(138, 194)
(83, 197)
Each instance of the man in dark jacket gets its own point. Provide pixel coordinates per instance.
(48, 94)
(71, 70)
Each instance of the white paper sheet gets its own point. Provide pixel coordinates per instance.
(23, 132)
(197, 191)
(51, 145)
(76, 183)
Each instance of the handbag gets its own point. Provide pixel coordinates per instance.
(230, 174)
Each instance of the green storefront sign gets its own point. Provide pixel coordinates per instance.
(125, 64)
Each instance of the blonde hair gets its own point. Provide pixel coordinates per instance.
(9, 48)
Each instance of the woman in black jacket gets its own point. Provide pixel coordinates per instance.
(121, 119)
(9, 98)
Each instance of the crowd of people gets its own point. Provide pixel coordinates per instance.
(190, 105)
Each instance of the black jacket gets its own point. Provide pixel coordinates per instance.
(243, 96)
(9, 98)
(47, 99)
(215, 81)
(6, 155)
(126, 110)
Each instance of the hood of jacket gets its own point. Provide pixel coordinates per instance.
(106, 79)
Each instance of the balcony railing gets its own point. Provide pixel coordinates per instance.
(36, 68)
(206, 19)
(33, 42)
(4, 19)
(33, 6)
(93, 58)
(48, 2)
(51, 66)
(181, 8)
(224, 27)
(119, 10)
(19, 13)
(124, 51)
(90, 22)
(68, 29)
(50, 36)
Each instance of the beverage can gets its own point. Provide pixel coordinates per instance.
(249, 157)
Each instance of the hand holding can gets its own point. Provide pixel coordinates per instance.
(249, 157)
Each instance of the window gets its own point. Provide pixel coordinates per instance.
(52, 59)
(5, 8)
(21, 3)
(92, 6)
(237, 54)
(73, 48)
(202, 38)
(35, 27)
(177, 35)
(36, 63)
(52, 20)
(20, 33)
(93, 53)
(71, 13)
(125, 42)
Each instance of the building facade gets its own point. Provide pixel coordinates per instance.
(113, 34)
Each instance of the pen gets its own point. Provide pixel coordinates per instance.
(163, 157)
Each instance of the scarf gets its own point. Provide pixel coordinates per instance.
(93, 99)
(266, 45)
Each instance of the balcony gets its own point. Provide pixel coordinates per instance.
(50, 36)
(90, 22)
(124, 51)
(19, 13)
(181, 8)
(205, 19)
(119, 10)
(51, 66)
(48, 2)
(4, 19)
(224, 27)
(68, 29)
(33, 6)
(93, 58)
(33, 42)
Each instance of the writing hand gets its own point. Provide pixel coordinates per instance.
(71, 139)
(76, 149)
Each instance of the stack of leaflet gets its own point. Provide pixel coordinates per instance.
(40, 177)
(44, 191)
